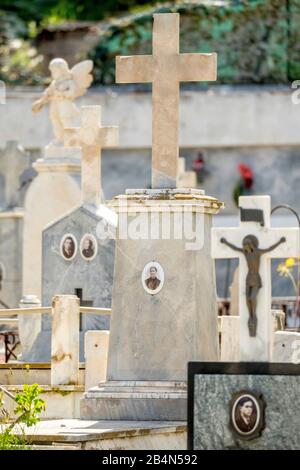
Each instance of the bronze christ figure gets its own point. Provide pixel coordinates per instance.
(252, 253)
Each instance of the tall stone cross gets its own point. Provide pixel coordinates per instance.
(165, 69)
(255, 243)
(91, 137)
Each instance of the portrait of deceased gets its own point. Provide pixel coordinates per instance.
(247, 415)
(153, 277)
(88, 247)
(68, 247)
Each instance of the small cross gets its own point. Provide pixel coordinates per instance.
(165, 69)
(257, 223)
(83, 303)
(91, 137)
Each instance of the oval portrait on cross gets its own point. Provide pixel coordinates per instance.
(153, 277)
(68, 247)
(247, 414)
(88, 247)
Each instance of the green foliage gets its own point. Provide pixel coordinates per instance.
(257, 41)
(29, 405)
(28, 408)
(58, 10)
(253, 39)
(10, 441)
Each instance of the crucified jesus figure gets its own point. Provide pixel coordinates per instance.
(252, 254)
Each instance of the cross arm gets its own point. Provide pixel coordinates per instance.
(272, 247)
(287, 249)
(134, 69)
(197, 67)
(225, 250)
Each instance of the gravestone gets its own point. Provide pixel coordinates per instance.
(76, 260)
(14, 164)
(255, 243)
(56, 188)
(164, 309)
(243, 406)
(252, 404)
(11, 229)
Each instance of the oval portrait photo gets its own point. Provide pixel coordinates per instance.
(88, 247)
(153, 277)
(68, 247)
(247, 414)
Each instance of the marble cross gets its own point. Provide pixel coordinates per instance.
(165, 69)
(91, 137)
(255, 243)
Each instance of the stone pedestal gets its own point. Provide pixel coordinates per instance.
(95, 353)
(54, 191)
(136, 400)
(156, 332)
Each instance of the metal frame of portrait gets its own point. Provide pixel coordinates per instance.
(95, 246)
(68, 235)
(259, 404)
(146, 274)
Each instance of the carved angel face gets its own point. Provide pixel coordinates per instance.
(59, 68)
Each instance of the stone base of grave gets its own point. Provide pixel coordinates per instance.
(136, 401)
(77, 434)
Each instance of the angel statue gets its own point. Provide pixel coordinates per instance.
(67, 85)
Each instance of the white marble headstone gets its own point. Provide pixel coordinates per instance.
(257, 348)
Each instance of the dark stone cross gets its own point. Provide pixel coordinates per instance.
(83, 303)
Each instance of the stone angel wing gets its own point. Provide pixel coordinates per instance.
(81, 74)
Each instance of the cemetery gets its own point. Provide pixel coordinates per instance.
(150, 234)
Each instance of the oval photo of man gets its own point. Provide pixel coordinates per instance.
(68, 247)
(247, 415)
(153, 278)
(88, 247)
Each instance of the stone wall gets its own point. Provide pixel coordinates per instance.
(257, 126)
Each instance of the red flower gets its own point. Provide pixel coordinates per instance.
(246, 174)
(198, 163)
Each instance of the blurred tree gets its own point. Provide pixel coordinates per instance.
(58, 10)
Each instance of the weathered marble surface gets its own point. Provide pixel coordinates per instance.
(54, 191)
(165, 69)
(177, 325)
(95, 353)
(257, 347)
(136, 400)
(91, 137)
(65, 340)
(211, 411)
(111, 435)
(286, 347)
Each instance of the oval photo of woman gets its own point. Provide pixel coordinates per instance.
(68, 247)
(247, 415)
(88, 247)
(153, 278)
